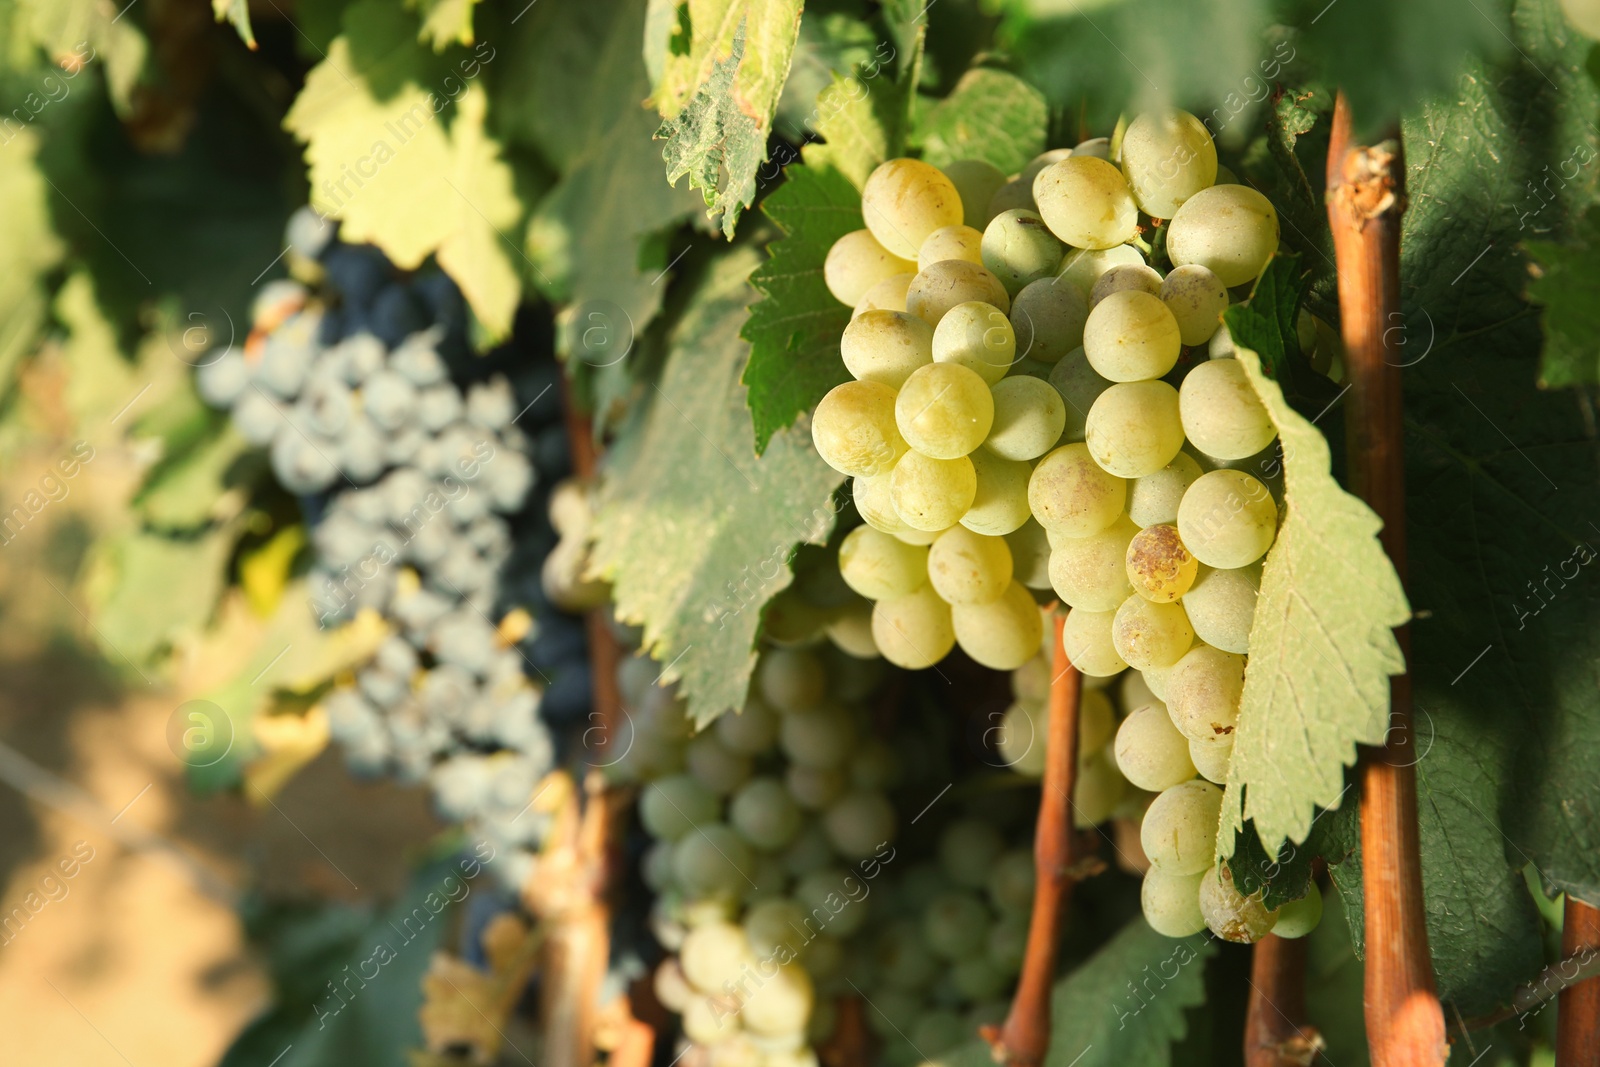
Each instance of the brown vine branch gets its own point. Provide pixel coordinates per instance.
(1366, 197)
(1275, 1033)
(1578, 1010)
(1025, 1035)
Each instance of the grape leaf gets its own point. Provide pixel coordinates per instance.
(794, 329)
(864, 118)
(444, 22)
(1126, 1003)
(717, 97)
(28, 249)
(384, 165)
(831, 44)
(989, 115)
(147, 590)
(237, 13)
(1565, 283)
(693, 530)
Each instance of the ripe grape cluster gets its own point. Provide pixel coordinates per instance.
(415, 461)
(1029, 390)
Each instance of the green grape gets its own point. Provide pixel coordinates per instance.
(968, 568)
(887, 295)
(830, 885)
(1299, 917)
(956, 926)
(1010, 882)
(1047, 319)
(1098, 147)
(1232, 230)
(1150, 751)
(774, 925)
(1203, 693)
(877, 566)
(1082, 267)
(977, 336)
(904, 200)
(942, 286)
(656, 866)
(752, 730)
(1086, 202)
(1147, 634)
(1154, 499)
(671, 807)
(1227, 519)
(1226, 176)
(1126, 277)
(765, 814)
(854, 429)
(711, 860)
(1000, 505)
(1230, 914)
(932, 494)
(1096, 721)
(1002, 634)
(1086, 636)
(1222, 415)
(859, 823)
(856, 263)
(913, 631)
(780, 1005)
(912, 536)
(1134, 430)
(851, 631)
(944, 410)
(1030, 548)
(1036, 165)
(1130, 336)
(717, 767)
(1159, 567)
(874, 502)
(814, 788)
(810, 851)
(1179, 832)
(1167, 159)
(1097, 791)
(1171, 902)
(1071, 494)
(1197, 298)
(976, 180)
(950, 242)
(824, 957)
(1079, 387)
(1012, 196)
(886, 346)
(1019, 249)
(1029, 416)
(820, 737)
(903, 962)
(1089, 572)
(1020, 740)
(1134, 692)
(1222, 606)
(1155, 678)
(975, 979)
(874, 765)
(968, 849)
(1221, 344)
(715, 953)
(1211, 758)
(1008, 944)
(791, 679)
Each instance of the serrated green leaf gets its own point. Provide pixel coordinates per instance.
(866, 118)
(693, 530)
(794, 329)
(182, 491)
(990, 115)
(1266, 323)
(28, 249)
(831, 44)
(1126, 1003)
(1566, 281)
(147, 590)
(717, 98)
(444, 22)
(84, 31)
(237, 13)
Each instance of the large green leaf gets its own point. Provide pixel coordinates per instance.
(990, 115)
(694, 531)
(1567, 278)
(866, 118)
(147, 590)
(28, 249)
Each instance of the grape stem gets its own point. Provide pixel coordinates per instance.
(1578, 1010)
(1366, 197)
(1025, 1035)
(1275, 1034)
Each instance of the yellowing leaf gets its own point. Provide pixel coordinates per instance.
(465, 1006)
(286, 743)
(444, 22)
(264, 572)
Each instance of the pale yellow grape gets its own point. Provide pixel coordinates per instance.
(1160, 568)
(1179, 832)
(1002, 634)
(1000, 504)
(1130, 336)
(1029, 416)
(1222, 606)
(1082, 267)
(1203, 693)
(1133, 429)
(1098, 147)
(1230, 229)
(1171, 903)
(1197, 298)
(1011, 196)
(1210, 758)
(714, 765)
(1221, 344)
(977, 336)
(1125, 276)
(708, 1021)
(872, 500)
(913, 536)
(944, 411)
(950, 282)
(765, 814)
(779, 1005)
(1227, 519)
(775, 924)
(913, 631)
(714, 953)
(1155, 678)
(904, 200)
(886, 346)
(857, 262)
(1018, 248)
(854, 429)
(791, 679)
(1097, 792)
(851, 632)
(1011, 882)
(887, 295)
(1030, 682)
(976, 181)
(1047, 318)
(1226, 176)
(1038, 163)
(1150, 751)
(968, 568)
(711, 860)
(752, 729)
(1167, 158)
(858, 823)
(1071, 494)
(1086, 637)
(1020, 740)
(877, 565)
(1299, 917)
(1147, 634)
(950, 242)
(814, 788)
(1154, 498)
(1230, 914)
(1088, 572)
(822, 737)
(1086, 203)
(1222, 415)
(1135, 693)
(1030, 553)
(1079, 387)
